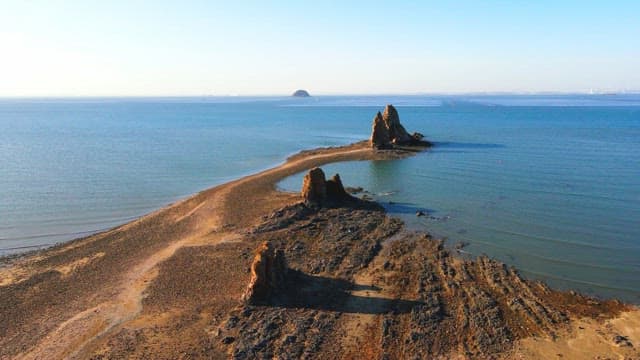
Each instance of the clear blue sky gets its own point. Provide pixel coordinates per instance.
(95, 48)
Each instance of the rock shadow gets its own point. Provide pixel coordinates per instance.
(405, 208)
(330, 294)
(467, 145)
(350, 202)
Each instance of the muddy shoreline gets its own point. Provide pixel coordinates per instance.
(168, 285)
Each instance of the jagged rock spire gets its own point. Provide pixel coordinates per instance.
(387, 131)
(397, 132)
(379, 133)
(268, 273)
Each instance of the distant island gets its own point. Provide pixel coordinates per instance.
(301, 93)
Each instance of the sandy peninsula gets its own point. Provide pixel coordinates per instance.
(170, 285)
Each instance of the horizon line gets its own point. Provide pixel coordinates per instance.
(321, 94)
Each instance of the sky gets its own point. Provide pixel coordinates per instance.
(195, 48)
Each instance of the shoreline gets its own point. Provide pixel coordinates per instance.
(73, 296)
(202, 218)
(35, 249)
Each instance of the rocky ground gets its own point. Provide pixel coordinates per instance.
(362, 287)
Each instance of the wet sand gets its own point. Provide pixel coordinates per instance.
(164, 286)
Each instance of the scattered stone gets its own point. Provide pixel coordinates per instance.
(228, 340)
(354, 190)
(246, 312)
(290, 339)
(622, 341)
(232, 322)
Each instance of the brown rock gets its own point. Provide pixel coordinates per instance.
(268, 273)
(397, 132)
(334, 187)
(314, 188)
(387, 131)
(380, 133)
(317, 191)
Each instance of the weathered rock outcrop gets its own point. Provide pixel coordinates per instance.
(379, 133)
(387, 131)
(335, 189)
(268, 274)
(314, 187)
(316, 190)
(411, 297)
(397, 132)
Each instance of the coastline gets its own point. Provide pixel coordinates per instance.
(73, 298)
(34, 250)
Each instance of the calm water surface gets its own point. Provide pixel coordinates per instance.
(550, 184)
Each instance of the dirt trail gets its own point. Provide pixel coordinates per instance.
(73, 335)
(357, 324)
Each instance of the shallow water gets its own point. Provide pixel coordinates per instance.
(550, 184)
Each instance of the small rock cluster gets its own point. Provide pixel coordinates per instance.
(316, 190)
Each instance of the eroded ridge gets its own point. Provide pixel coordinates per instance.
(364, 288)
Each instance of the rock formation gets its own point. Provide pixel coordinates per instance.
(387, 131)
(316, 190)
(300, 93)
(335, 189)
(379, 133)
(314, 187)
(420, 300)
(397, 132)
(268, 273)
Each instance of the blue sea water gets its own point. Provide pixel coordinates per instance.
(549, 184)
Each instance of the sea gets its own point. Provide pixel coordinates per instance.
(549, 184)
